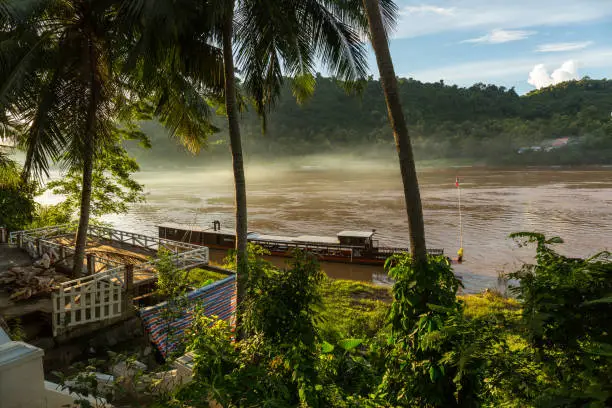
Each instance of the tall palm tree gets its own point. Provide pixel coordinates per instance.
(412, 196)
(264, 41)
(62, 63)
(63, 87)
(274, 40)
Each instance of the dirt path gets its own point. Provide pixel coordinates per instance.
(10, 257)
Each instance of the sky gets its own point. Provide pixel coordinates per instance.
(525, 44)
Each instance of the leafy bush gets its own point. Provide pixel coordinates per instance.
(430, 363)
(276, 364)
(17, 205)
(549, 348)
(567, 309)
(47, 215)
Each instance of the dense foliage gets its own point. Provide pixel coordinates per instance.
(429, 348)
(113, 187)
(481, 122)
(17, 206)
(567, 307)
(309, 344)
(279, 356)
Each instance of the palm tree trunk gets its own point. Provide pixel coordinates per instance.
(81, 237)
(236, 149)
(412, 195)
(88, 164)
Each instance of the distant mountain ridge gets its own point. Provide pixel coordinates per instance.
(480, 122)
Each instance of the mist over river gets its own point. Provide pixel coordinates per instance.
(322, 196)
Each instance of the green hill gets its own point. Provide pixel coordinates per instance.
(480, 123)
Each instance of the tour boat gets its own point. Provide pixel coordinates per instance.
(346, 247)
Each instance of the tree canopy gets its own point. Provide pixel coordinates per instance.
(481, 122)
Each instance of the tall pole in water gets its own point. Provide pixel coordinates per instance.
(460, 251)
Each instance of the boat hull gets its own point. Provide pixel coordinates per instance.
(349, 247)
(322, 257)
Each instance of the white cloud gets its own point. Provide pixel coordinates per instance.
(419, 17)
(562, 47)
(498, 36)
(509, 68)
(425, 9)
(567, 72)
(539, 77)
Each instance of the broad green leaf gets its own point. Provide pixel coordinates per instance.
(607, 299)
(327, 347)
(350, 344)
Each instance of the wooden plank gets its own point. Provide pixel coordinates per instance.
(103, 294)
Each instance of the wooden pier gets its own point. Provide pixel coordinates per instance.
(117, 263)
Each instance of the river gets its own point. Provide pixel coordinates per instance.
(326, 195)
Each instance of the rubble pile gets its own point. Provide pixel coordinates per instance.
(25, 282)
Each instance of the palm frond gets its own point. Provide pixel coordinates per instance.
(19, 11)
(174, 64)
(184, 110)
(275, 39)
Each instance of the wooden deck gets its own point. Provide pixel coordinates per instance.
(119, 266)
(118, 252)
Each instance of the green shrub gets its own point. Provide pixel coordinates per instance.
(567, 310)
(17, 205)
(198, 277)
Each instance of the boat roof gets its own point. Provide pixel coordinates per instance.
(197, 228)
(316, 239)
(269, 237)
(356, 234)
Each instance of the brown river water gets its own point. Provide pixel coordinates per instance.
(325, 196)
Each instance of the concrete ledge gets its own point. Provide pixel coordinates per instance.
(16, 353)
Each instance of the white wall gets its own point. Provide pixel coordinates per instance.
(21, 376)
(22, 382)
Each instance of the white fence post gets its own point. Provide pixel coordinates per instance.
(100, 296)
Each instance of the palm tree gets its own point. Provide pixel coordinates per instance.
(273, 41)
(264, 42)
(63, 78)
(412, 196)
(231, 110)
(62, 84)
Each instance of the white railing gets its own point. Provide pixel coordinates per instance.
(139, 240)
(43, 232)
(182, 260)
(101, 296)
(42, 240)
(89, 299)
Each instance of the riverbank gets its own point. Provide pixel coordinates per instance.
(358, 310)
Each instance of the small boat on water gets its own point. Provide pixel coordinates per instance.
(346, 247)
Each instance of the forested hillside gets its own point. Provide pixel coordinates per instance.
(482, 122)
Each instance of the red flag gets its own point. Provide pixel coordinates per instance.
(457, 181)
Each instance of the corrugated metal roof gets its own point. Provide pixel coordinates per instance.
(197, 228)
(316, 239)
(266, 237)
(356, 234)
(184, 227)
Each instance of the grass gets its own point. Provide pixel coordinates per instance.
(358, 310)
(353, 309)
(200, 277)
(491, 304)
